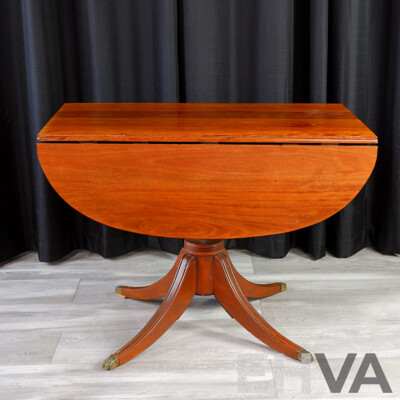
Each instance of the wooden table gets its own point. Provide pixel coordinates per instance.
(206, 172)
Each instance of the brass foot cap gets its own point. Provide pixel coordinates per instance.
(118, 290)
(111, 362)
(305, 356)
(283, 286)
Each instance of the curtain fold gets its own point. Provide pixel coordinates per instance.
(340, 51)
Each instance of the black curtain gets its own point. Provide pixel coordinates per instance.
(342, 51)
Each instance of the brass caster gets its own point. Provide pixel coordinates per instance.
(283, 286)
(305, 356)
(118, 290)
(111, 362)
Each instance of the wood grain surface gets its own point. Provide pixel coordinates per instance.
(206, 191)
(194, 122)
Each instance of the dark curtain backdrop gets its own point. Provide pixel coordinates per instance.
(345, 51)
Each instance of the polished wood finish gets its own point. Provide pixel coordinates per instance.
(178, 298)
(204, 280)
(213, 171)
(204, 267)
(194, 122)
(229, 294)
(151, 292)
(257, 290)
(205, 190)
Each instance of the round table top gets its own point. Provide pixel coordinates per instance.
(241, 171)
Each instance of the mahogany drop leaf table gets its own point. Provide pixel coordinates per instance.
(206, 172)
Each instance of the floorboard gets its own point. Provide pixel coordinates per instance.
(58, 321)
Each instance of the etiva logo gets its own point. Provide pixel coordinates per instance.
(336, 384)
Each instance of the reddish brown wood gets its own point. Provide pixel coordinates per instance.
(178, 122)
(206, 190)
(204, 267)
(212, 171)
(256, 290)
(178, 298)
(154, 291)
(204, 276)
(228, 293)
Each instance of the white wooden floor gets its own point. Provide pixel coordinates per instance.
(59, 321)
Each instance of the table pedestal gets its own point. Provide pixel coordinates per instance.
(203, 267)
